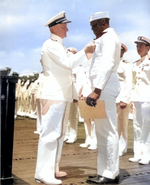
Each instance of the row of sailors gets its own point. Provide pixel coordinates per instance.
(27, 103)
(25, 99)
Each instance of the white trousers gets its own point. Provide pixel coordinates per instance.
(90, 134)
(122, 121)
(141, 125)
(72, 125)
(106, 132)
(53, 127)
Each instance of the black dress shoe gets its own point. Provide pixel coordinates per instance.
(93, 176)
(102, 180)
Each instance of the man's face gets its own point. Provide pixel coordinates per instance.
(122, 52)
(142, 49)
(97, 28)
(62, 30)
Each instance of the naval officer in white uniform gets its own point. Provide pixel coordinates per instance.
(56, 94)
(141, 102)
(103, 75)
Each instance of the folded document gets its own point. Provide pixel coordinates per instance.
(97, 112)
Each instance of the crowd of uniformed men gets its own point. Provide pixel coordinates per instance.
(134, 97)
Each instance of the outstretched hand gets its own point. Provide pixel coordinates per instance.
(89, 49)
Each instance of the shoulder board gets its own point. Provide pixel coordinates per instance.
(53, 40)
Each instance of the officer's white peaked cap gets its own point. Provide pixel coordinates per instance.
(60, 18)
(143, 39)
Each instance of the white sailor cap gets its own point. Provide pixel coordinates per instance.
(60, 18)
(98, 15)
(124, 47)
(143, 39)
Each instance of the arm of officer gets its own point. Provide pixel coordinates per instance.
(58, 54)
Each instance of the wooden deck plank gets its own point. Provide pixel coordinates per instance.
(77, 162)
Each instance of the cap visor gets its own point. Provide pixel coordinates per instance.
(139, 42)
(65, 21)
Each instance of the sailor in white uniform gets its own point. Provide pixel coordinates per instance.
(103, 76)
(89, 125)
(56, 94)
(123, 100)
(141, 102)
(24, 94)
(78, 80)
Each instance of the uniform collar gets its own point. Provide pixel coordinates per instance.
(56, 38)
(146, 60)
(108, 29)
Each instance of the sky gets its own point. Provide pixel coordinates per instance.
(22, 30)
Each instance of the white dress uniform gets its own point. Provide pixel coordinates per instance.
(56, 93)
(18, 94)
(141, 118)
(33, 112)
(103, 75)
(89, 125)
(72, 127)
(24, 98)
(29, 99)
(19, 112)
(36, 102)
(124, 72)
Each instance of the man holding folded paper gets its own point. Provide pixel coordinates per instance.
(103, 76)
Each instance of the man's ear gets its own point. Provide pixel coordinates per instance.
(103, 22)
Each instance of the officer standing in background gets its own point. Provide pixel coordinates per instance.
(123, 100)
(141, 102)
(89, 125)
(103, 76)
(78, 80)
(56, 96)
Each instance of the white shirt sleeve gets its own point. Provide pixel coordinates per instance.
(57, 53)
